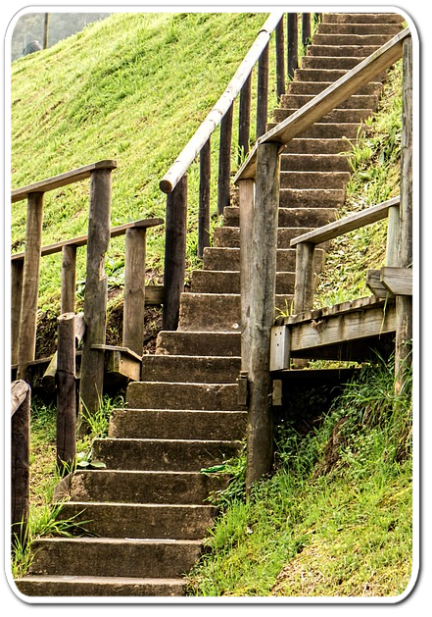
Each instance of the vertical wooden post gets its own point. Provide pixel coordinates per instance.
(46, 29)
(244, 119)
(393, 237)
(404, 330)
(262, 308)
(30, 289)
(262, 98)
(134, 289)
(306, 28)
(224, 177)
(304, 279)
(68, 279)
(20, 453)
(66, 393)
(280, 59)
(204, 198)
(96, 292)
(292, 44)
(246, 199)
(175, 253)
(17, 266)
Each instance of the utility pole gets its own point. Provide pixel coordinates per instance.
(46, 24)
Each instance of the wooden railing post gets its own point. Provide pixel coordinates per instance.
(404, 328)
(175, 253)
(204, 198)
(306, 28)
(96, 292)
(66, 393)
(68, 279)
(262, 98)
(134, 289)
(262, 308)
(280, 59)
(292, 44)
(244, 119)
(304, 278)
(246, 201)
(30, 288)
(17, 267)
(20, 453)
(224, 177)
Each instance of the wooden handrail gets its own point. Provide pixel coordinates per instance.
(120, 230)
(327, 100)
(201, 136)
(347, 224)
(70, 177)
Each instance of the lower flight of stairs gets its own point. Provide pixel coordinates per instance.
(146, 514)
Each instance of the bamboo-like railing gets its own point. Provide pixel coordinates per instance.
(174, 182)
(258, 183)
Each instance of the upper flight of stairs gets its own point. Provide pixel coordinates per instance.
(146, 514)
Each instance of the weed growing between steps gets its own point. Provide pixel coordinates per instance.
(44, 476)
(335, 519)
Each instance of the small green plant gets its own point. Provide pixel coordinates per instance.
(235, 468)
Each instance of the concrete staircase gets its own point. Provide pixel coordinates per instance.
(146, 514)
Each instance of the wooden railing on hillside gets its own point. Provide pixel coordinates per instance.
(175, 184)
(258, 182)
(20, 459)
(26, 268)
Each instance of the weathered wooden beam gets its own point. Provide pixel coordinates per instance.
(49, 376)
(304, 280)
(224, 175)
(204, 199)
(280, 59)
(328, 99)
(246, 203)
(68, 279)
(66, 393)
(20, 464)
(398, 281)
(175, 253)
(393, 236)
(30, 286)
(373, 282)
(96, 293)
(16, 299)
(56, 182)
(306, 28)
(263, 285)
(347, 224)
(134, 289)
(292, 60)
(262, 95)
(244, 119)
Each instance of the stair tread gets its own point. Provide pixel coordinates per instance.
(101, 579)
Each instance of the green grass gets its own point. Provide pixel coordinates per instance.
(336, 517)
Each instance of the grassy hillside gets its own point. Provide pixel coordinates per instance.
(133, 87)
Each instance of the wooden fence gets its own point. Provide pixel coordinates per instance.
(175, 184)
(20, 454)
(258, 182)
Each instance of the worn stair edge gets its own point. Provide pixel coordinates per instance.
(314, 179)
(362, 18)
(288, 217)
(178, 424)
(228, 259)
(312, 162)
(191, 369)
(99, 586)
(199, 343)
(311, 145)
(229, 237)
(214, 281)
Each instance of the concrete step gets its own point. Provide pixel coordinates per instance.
(362, 18)
(177, 395)
(198, 343)
(355, 101)
(313, 162)
(113, 586)
(330, 130)
(230, 237)
(289, 217)
(356, 28)
(311, 198)
(338, 115)
(332, 39)
(319, 146)
(136, 558)
(229, 259)
(135, 520)
(193, 369)
(345, 51)
(163, 487)
(330, 62)
(212, 281)
(314, 179)
(163, 454)
(217, 312)
(178, 424)
(315, 87)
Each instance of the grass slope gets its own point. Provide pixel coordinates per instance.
(133, 87)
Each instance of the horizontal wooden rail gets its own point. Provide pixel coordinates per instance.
(327, 100)
(347, 224)
(56, 182)
(201, 136)
(120, 230)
